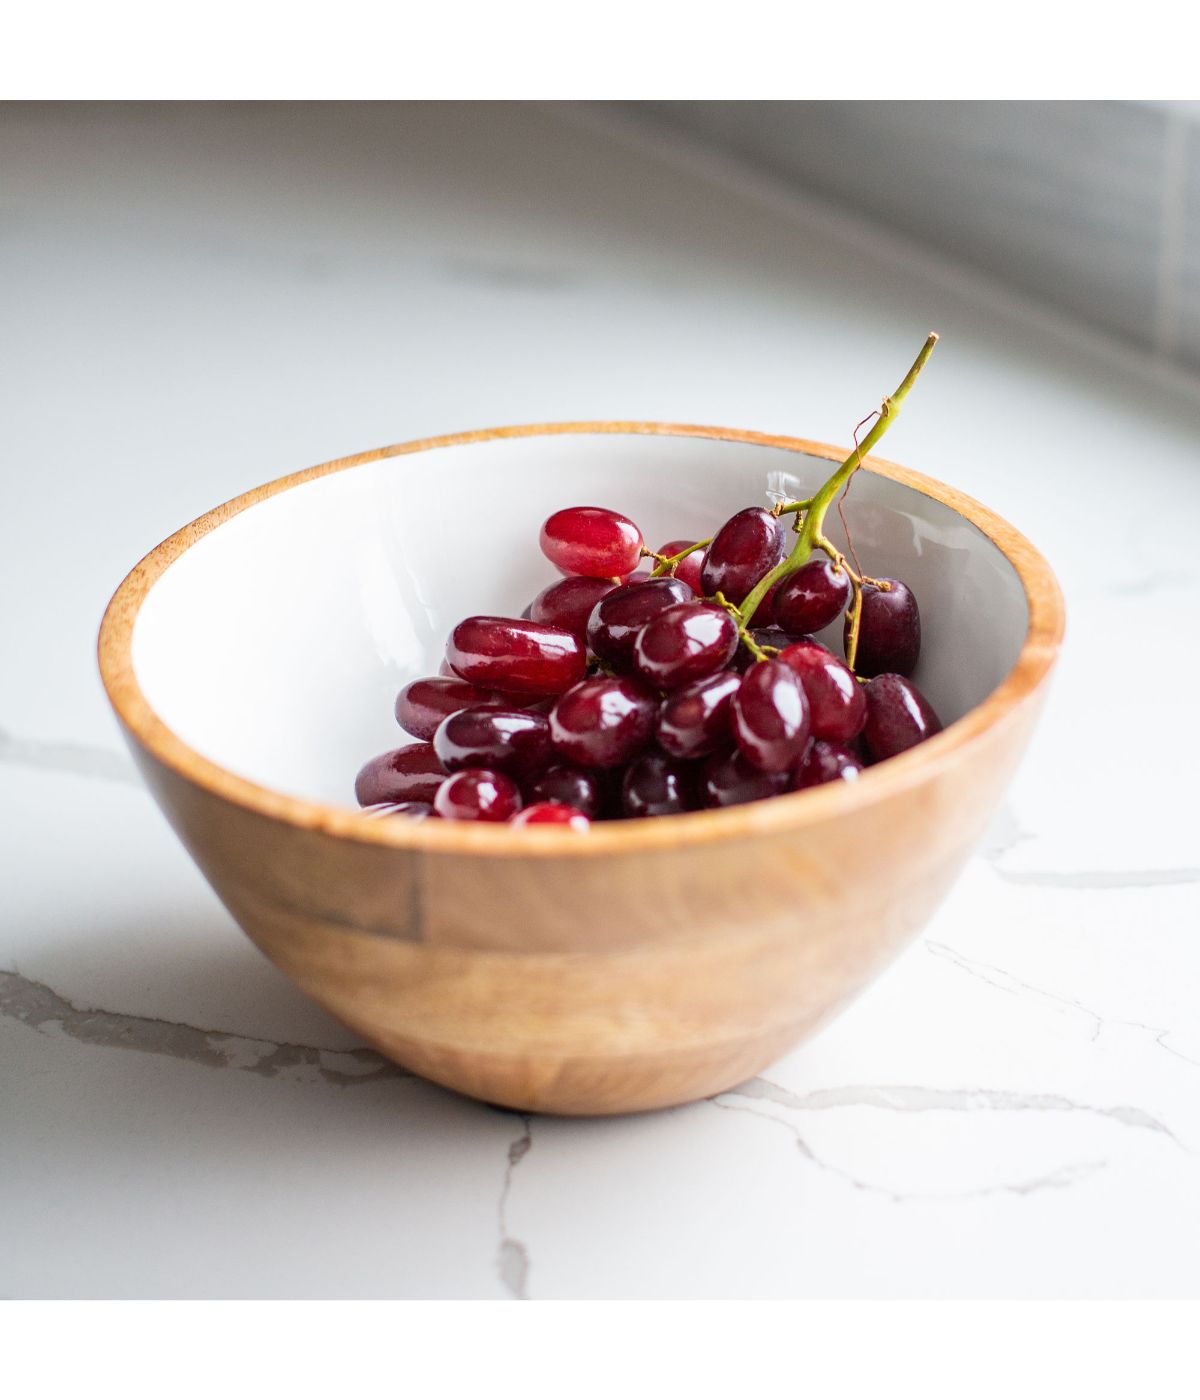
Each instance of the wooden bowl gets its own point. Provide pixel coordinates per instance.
(253, 659)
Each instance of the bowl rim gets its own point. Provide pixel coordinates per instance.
(788, 811)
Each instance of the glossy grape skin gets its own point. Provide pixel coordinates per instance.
(617, 619)
(551, 814)
(769, 717)
(764, 614)
(889, 633)
(694, 720)
(568, 603)
(591, 541)
(568, 786)
(726, 780)
(603, 722)
(685, 643)
(477, 795)
(410, 774)
(657, 786)
(812, 597)
(743, 549)
(410, 811)
(423, 704)
(898, 716)
(837, 702)
(511, 654)
(515, 742)
(688, 569)
(744, 658)
(824, 762)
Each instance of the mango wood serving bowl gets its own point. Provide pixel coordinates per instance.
(253, 659)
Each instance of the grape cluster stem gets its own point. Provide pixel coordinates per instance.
(809, 526)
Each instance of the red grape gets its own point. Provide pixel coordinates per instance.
(515, 742)
(620, 616)
(568, 603)
(423, 704)
(551, 814)
(592, 541)
(898, 716)
(694, 720)
(566, 785)
(748, 545)
(770, 717)
(602, 723)
(684, 643)
(728, 779)
(812, 597)
(410, 774)
(835, 698)
(825, 763)
(764, 614)
(657, 786)
(889, 632)
(527, 658)
(477, 795)
(687, 569)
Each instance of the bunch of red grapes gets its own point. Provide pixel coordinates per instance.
(624, 692)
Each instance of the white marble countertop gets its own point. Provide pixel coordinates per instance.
(199, 301)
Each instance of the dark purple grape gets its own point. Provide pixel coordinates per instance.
(889, 632)
(748, 545)
(685, 643)
(477, 795)
(410, 811)
(657, 786)
(618, 618)
(568, 603)
(764, 614)
(410, 774)
(694, 720)
(769, 716)
(551, 814)
(423, 704)
(744, 658)
(826, 763)
(835, 699)
(812, 597)
(592, 541)
(527, 658)
(568, 786)
(727, 780)
(515, 742)
(602, 723)
(898, 716)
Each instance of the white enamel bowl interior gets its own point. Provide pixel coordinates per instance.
(275, 645)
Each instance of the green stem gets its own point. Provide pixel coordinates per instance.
(667, 565)
(814, 519)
